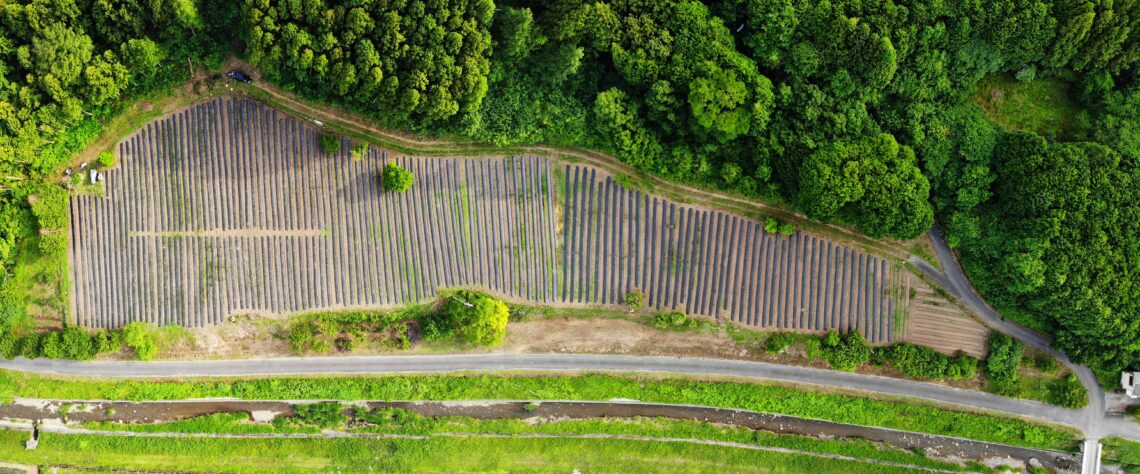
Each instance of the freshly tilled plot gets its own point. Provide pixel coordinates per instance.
(714, 264)
(229, 206)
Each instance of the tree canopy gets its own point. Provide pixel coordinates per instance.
(415, 60)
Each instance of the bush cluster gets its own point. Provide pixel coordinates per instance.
(674, 320)
(359, 150)
(925, 363)
(321, 415)
(106, 159)
(397, 178)
(139, 337)
(634, 300)
(1068, 392)
(472, 317)
(72, 342)
(330, 144)
(779, 342)
(1003, 363)
(845, 351)
(49, 205)
(322, 332)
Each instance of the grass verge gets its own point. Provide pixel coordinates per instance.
(1121, 451)
(436, 454)
(400, 422)
(768, 398)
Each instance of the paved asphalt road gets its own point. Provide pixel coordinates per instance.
(954, 280)
(553, 362)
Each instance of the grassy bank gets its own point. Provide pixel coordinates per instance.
(891, 413)
(395, 421)
(445, 454)
(1123, 452)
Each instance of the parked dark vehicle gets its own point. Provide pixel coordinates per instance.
(237, 75)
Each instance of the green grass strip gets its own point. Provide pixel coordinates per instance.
(1122, 451)
(768, 398)
(443, 454)
(411, 424)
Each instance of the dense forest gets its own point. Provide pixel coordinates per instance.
(864, 112)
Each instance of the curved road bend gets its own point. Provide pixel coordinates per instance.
(954, 280)
(554, 362)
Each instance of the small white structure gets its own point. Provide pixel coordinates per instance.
(93, 176)
(1130, 381)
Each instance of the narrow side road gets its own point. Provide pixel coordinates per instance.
(954, 280)
(1093, 419)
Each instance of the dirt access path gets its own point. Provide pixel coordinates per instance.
(937, 447)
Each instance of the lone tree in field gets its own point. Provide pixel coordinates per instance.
(477, 318)
(397, 179)
(330, 144)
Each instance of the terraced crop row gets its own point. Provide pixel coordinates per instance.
(714, 264)
(229, 206)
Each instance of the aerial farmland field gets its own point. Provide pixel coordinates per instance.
(229, 206)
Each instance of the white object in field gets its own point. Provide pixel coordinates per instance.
(318, 122)
(83, 165)
(100, 176)
(92, 176)
(67, 171)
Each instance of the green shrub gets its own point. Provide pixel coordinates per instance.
(54, 245)
(397, 178)
(962, 367)
(674, 320)
(845, 351)
(634, 300)
(30, 346)
(1003, 363)
(301, 336)
(787, 229)
(107, 342)
(77, 344)
(436, 327)
(140, 339)
(779, 342)
(51, 345)
(1068, 392)
(49, 205)
(330, 144)
(320, 345)
(771, 225)
(9, 345)
(359, 150)
(477, 318)
(322, 415)
(106, 159)
(925, 363)
(392, 417)
(1045, 363)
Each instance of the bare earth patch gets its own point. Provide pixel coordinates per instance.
(613, 336)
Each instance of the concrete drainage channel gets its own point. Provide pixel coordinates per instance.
(936, 447)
